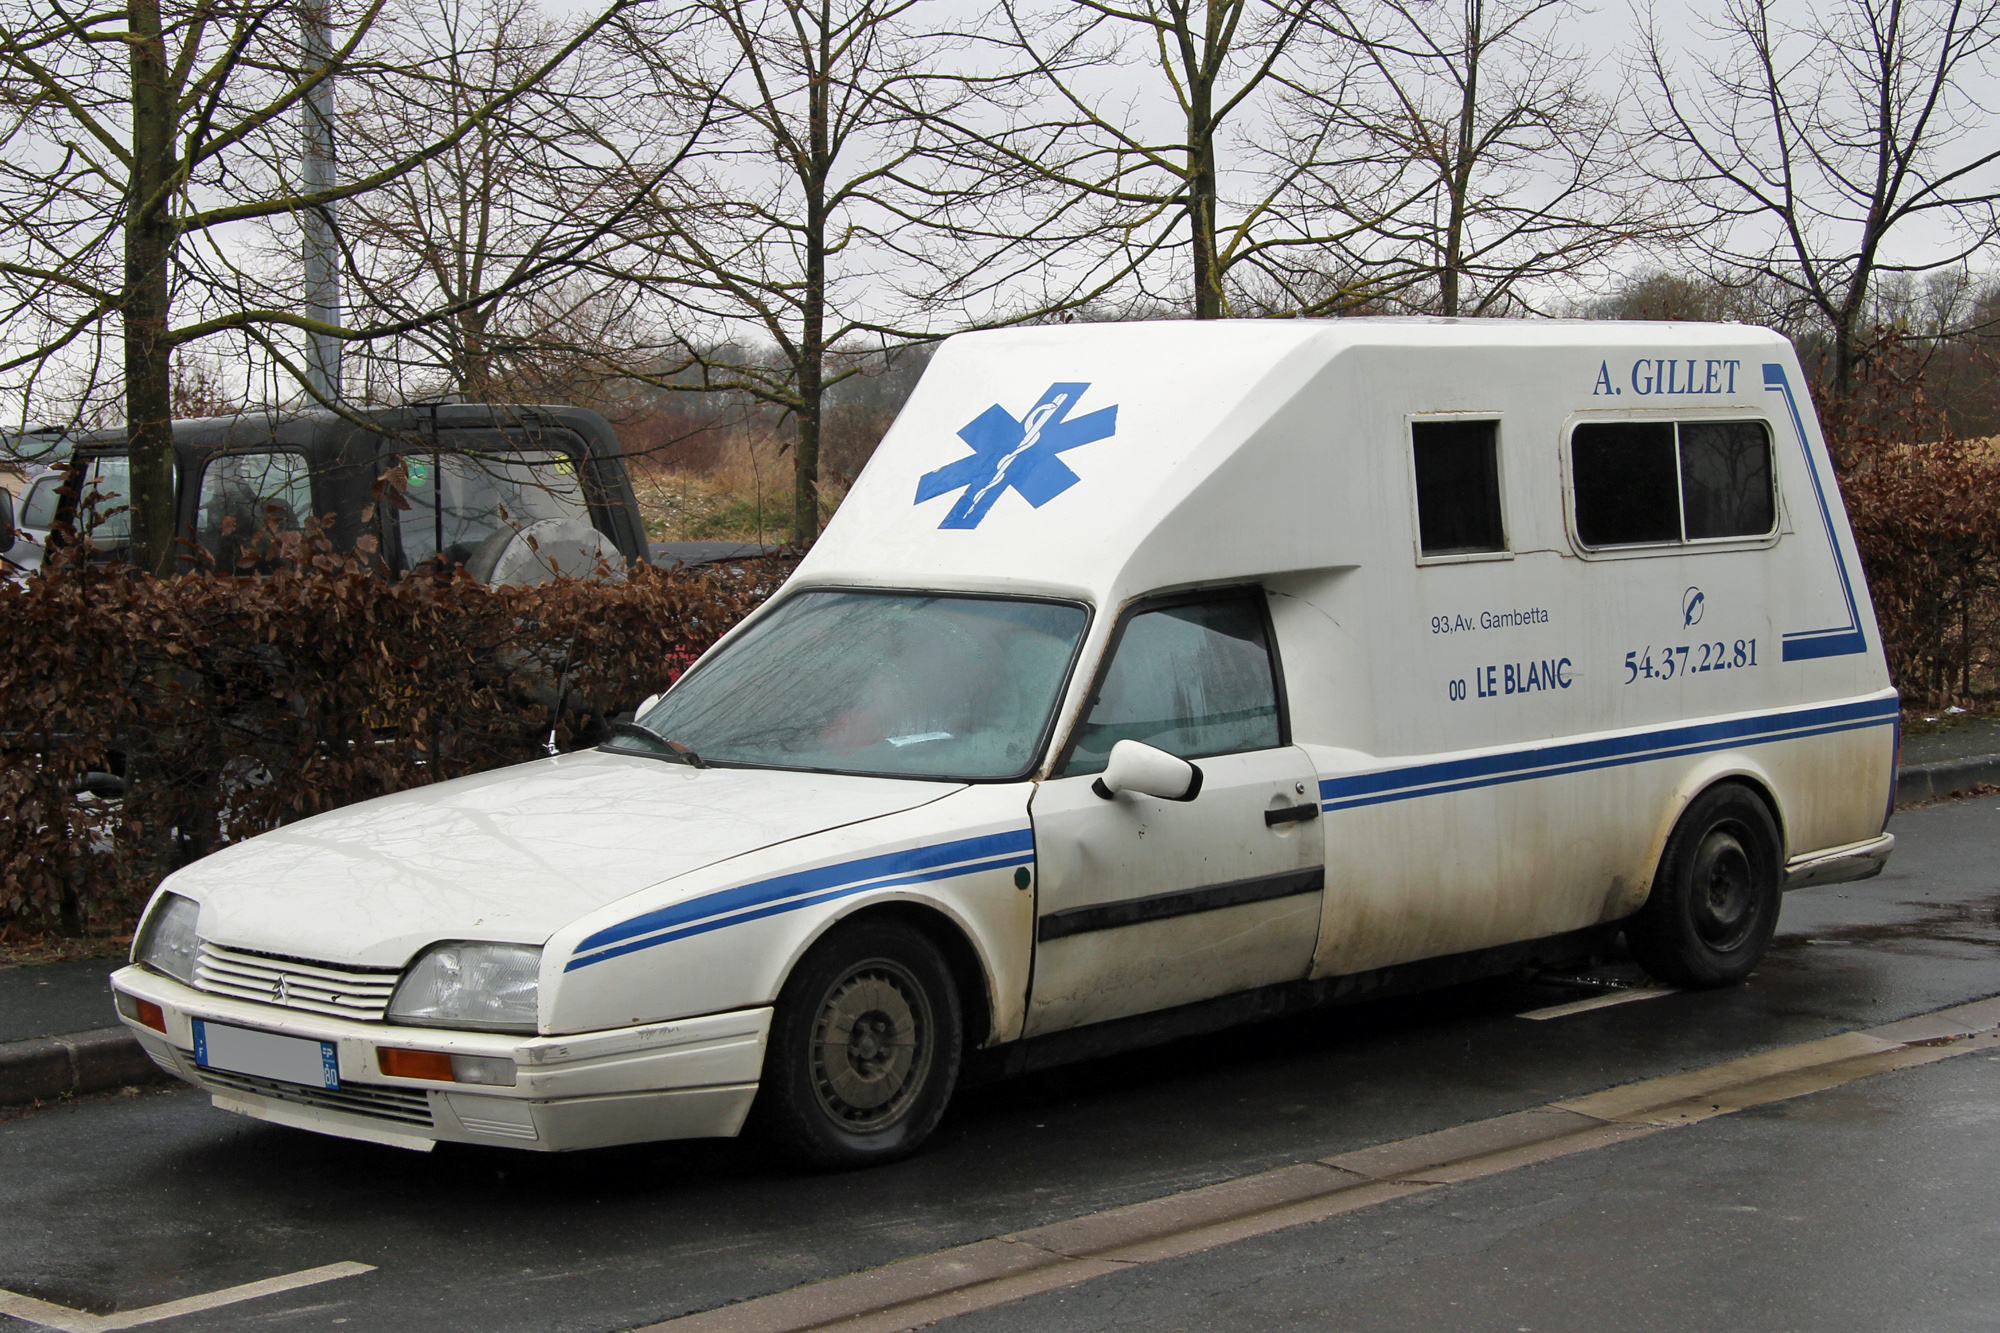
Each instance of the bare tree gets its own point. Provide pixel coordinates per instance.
(1469, 144)
(1817, 146)
(139, 139)
(789, 240)
(1212, 70)
(473, 229)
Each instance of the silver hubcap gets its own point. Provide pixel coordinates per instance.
(871, 1048)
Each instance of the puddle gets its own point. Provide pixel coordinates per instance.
(1974, 924)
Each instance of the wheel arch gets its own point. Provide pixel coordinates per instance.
(1713, 771)
(954, 941)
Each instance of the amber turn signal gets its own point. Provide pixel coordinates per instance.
(149, 1013)
(414, 1064)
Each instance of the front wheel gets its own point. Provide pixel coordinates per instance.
(1715, 899)
(864, 1051)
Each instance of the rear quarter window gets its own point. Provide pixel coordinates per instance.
(1654, 483)
(38, 505)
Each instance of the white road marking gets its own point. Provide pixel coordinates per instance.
(1599, 1002)
(65, 1320)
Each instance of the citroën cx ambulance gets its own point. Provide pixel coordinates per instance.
(1151, 677)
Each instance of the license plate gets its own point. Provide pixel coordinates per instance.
(266, 1054)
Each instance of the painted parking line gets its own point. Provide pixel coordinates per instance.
(66, 1320)
(922, 1290)
(1600, 1002)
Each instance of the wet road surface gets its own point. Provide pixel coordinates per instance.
(1867, 1208)
(122, 1202)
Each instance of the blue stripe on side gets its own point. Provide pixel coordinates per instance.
(1843, 639)
(1402, 784)
(778, 909)
(1017, 843)
(1839, 643)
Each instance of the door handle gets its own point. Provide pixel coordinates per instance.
(1292, 814)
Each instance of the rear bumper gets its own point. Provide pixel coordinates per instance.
(1838, 865)
(689, 1078)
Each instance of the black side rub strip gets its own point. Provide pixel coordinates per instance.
(1181, 902)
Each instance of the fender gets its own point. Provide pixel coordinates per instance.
(726, 936)
(1697, 778)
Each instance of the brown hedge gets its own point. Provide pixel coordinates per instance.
(230, 705)
(1925, 506)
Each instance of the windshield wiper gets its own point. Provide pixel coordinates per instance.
(674, 749)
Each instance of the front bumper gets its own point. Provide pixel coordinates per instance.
(688, 1078)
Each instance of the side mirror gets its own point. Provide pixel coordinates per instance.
(647, 706)
(7, 534)
(1135, 766)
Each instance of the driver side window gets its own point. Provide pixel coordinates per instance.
(1194, 679)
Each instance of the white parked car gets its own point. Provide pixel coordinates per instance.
(1152, 677)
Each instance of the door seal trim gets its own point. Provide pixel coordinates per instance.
(1181, 902)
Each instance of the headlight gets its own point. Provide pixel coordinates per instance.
(167, 943)
(492, 986)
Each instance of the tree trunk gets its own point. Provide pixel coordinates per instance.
(805, 463)
(475, 379)
(1201, 189)
(1847, 351)
(811, 367)
(1453, 258)
(149, 243)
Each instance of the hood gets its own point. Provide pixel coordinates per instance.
(512, 855)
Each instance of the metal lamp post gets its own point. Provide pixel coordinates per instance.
(320, 172)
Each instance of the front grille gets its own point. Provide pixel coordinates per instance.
(295, 983)
(408, 1106)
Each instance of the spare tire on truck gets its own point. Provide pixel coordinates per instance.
(544, 550)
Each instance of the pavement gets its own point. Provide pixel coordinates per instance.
(50, 999)
(1938, 763)
(58, 1037)
(1712, 1227)
(1804, 1151)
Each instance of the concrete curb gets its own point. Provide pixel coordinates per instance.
(45, 1068)
(925, 1289)
(1927, 782)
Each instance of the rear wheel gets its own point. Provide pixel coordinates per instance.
(865, 1048)
(1715, 899)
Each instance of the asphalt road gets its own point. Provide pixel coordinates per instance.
(1867, 1206)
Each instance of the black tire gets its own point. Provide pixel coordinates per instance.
(1714, 902)
(831, 1103)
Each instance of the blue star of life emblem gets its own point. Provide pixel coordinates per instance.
(1020, 454)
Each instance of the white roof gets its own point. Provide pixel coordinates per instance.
(1101, 461)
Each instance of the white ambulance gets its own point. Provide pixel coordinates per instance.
(1151, 678)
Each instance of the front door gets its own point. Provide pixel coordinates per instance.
(1142, 903)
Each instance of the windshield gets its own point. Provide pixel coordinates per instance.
(898, 684)
(457, 501)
